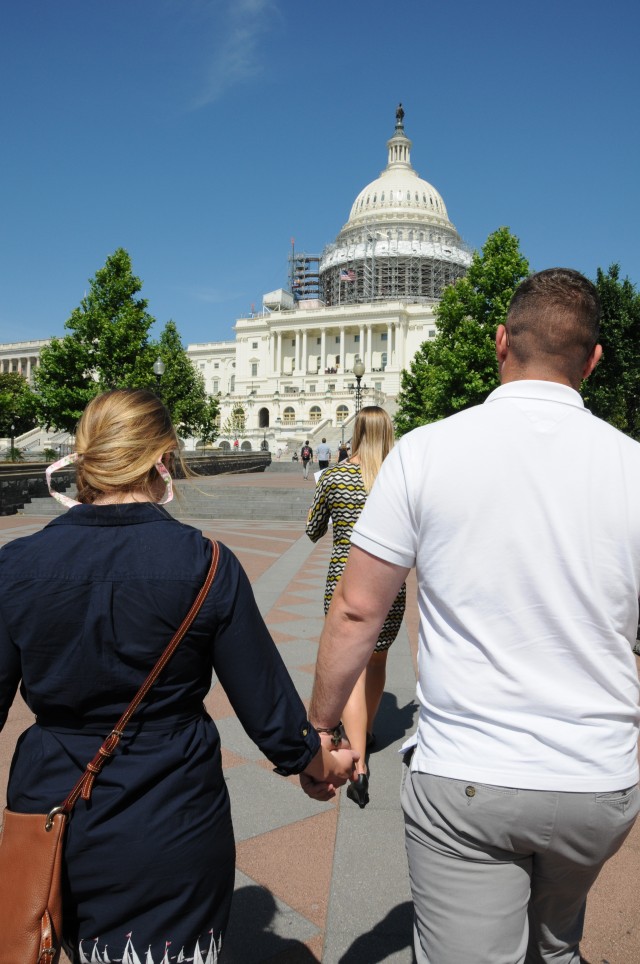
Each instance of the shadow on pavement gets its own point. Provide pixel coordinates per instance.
(392, 934)
(393, 722)
(249, 938)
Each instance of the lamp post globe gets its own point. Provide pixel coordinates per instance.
(158, 370)
(358, 371)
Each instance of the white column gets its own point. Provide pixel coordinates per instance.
(389, 345)
(29, 369)
(305, 357)
(399, 344)
(279, 355)
(272, 354)
(361, 350)
(342, 358)
(323, 350)
(369, 360)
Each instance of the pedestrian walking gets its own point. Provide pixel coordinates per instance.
(306, 456)
(87, 605)
(522, 518)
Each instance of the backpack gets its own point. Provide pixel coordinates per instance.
(306, 452)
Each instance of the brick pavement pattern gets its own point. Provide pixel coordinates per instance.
(328, 882)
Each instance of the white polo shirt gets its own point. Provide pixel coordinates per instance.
(522, 517)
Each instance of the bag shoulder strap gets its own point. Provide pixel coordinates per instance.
(84, 786)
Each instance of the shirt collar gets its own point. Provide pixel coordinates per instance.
(124, 514)
(538, 391)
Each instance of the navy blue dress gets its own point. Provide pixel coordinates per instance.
(86, 607)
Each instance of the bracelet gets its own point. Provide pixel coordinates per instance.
(337, 732)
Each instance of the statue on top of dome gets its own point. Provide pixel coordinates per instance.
(399, 115)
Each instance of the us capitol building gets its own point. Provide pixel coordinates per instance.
(368, 298)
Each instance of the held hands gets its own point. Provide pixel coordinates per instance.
(329, 769)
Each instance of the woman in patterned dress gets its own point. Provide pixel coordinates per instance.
(340, 496)
(86, 607)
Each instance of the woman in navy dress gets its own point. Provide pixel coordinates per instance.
(86, 607)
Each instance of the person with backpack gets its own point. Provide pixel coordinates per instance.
(306, 454)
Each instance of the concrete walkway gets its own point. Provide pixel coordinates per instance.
(328, 882)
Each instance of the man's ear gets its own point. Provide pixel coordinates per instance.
(592, 361)
(502, 343)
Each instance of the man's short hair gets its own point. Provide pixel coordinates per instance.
(324, 440)
(554, 319)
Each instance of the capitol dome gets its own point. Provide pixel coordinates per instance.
(398, 243)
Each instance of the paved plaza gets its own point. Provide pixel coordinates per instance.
(328, 882)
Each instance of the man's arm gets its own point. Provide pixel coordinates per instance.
(363, 597)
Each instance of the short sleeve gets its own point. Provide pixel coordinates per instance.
(387, 528)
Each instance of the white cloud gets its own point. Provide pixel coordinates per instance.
(236, 55)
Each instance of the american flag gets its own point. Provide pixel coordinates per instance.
(347, 275)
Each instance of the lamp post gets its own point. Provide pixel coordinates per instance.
(13, 433)
(358, 371)
(158, 370)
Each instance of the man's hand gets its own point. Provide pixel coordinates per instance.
(329, 770)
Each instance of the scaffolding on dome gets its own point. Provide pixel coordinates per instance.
(389, 277)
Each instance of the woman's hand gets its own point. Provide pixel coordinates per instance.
(329, 769)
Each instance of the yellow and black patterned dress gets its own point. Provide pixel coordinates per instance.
(340, 496)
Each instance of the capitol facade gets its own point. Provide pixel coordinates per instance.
(369, 297)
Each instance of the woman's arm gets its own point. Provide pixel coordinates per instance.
(320, 511)
(10, 671)
(255, 679)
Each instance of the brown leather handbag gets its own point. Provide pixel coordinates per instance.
(31, 844)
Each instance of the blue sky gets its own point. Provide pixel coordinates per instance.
(202, 135)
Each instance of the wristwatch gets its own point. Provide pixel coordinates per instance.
(337, 732)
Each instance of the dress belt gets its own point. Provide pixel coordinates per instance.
(168, 722)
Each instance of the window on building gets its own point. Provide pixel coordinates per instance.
(315, 413)
(289, 415)
(341, 413)
(377, 386)
(216, 364)
(337, 339)
(383, 336)
(356, 338)
(215, 386)
(384, 360)
(312, 388)
(432, 333)
(318, 341)
(254, 344)
(254, 369)
(232, 383)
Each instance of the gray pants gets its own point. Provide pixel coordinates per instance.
(501, 876)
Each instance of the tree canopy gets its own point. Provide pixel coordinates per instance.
(612, 391)
(182, 389)
(108, 346)
(17, 404)
(458, 368)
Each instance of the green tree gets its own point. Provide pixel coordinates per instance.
(234, 424)
(17, 404)
(458, 368)
(613, 390)
(182, 389)
(108, 346)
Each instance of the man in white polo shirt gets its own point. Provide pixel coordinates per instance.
(522, 517)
